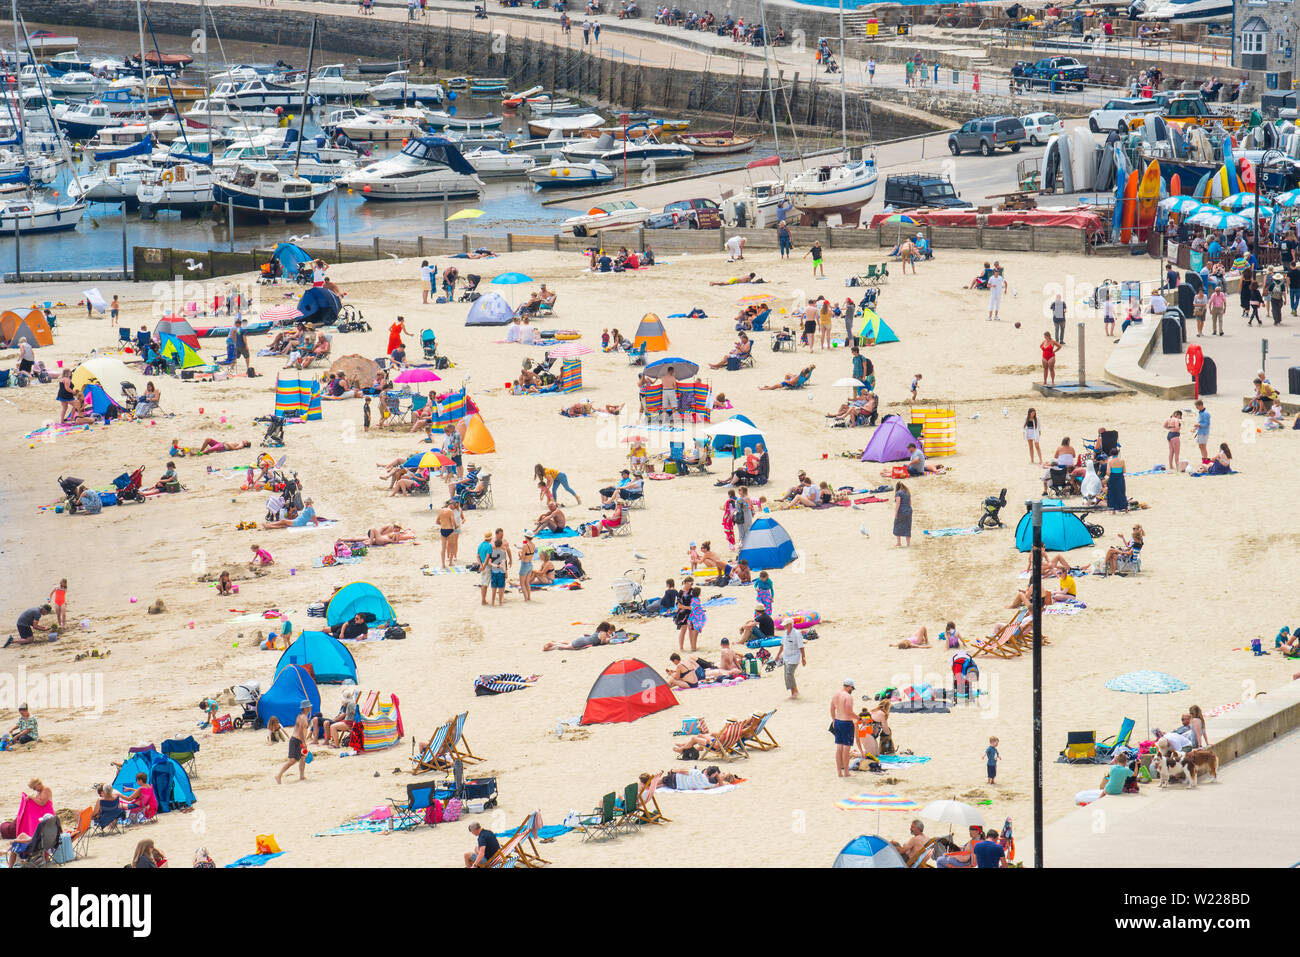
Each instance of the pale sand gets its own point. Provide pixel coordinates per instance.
(1185, 617)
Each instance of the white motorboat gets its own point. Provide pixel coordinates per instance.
(240, 73)
(494, 163)
(562, 174)
(261, 192)
(259, 94)
(639, 154)
(329, 83)
(546, 148)
(442, 120)
(614, 214)
(69, 62)
(44, 42)
(372, 127)
(565, 124)
(1186, 11)
(84, 121)
(219, 114)
(396, 88)
(182, 188)
(22, 215)
(72, 84)
(114, 182)
(842, 189)
(34, 74)
(116, 137)
(430, 167)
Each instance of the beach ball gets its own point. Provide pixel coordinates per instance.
(133, 599)
(223, 420)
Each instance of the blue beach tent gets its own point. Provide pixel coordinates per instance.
(168, 779)
(320, 306)
(284, 698)
(727, 443)
(1062, 531)
(767, 545)
(358, 597)
(490, 309)
(291, 257)
(329, 658)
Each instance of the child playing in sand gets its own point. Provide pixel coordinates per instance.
(59, 599)
(261, 558)
(209, 708)
(224, 584)
(991, 757)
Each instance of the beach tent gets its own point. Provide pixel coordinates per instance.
(9, 323)
(297, 395)
(319, 305)
(570, 375)
(98, 400)
(284, 698)
(291, 257)
(1062, 531)
(358, 597)
(178, 351)
(170, 783)
(888, 443)
(107, 370)
(651, 333)
(766, 545)
(178, 327)
(874, 328)
(477, 439)
(14, 329)
(725, 441)
(867, 850)
(626, 690)
(325, 656)
(490, 309)
(378, 727)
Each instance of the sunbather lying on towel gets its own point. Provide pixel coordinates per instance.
(688, 671)
(920, 639)
(791, 381)
(587, 408)
(711, 777)
(214, 445)
(306, 517)
(384, 535)
(738, 280)
(604, 632)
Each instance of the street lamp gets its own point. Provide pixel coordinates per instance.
(1036, 577)
(1259, 176)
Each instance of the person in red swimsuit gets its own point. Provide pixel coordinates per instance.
(1050, 347)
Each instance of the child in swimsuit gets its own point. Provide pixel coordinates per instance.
(59, 598)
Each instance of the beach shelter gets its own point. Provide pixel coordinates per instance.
(327, 658)
(284, 698)
(96, 300)
(99, 400)
(477, 440)
(626, 690)
(888, 443)
(490, 309)
(874, 328)
(1062, 531)
(735, 434)
(170, 783)
(868, 850)
(379, 723)
(9, 323)
(34, 328)
(104, 369)
(358, 598)
(185, 356)
(570, 375)
(297, 395)
(320, 306)
(651, 334)
(291, 257)
(767, 545)
(178, 327)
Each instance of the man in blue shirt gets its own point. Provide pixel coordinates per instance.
(1215, 250)
(1202, 429)
(484, 569)
(988, 852)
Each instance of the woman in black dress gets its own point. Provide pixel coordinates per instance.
(66, 395)
(902, 515)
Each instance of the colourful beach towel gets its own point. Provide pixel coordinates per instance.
(949, 532)
(345, 560)
(566, 533)
(902, 759)
(717, 601)
(454, 570)
(543, 833)
(255, 860)
(1206, 474)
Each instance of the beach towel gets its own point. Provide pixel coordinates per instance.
(717, 601)
(346, 560)
(949, 532)
(499, 684)
(1154, 470)
(1204, 474)
(453, 570)
(309, 527)
(724, 682)
(255, 860)
(558, 583)
(721, 789)
(1064, 608)
(902, 759)
(543, 833)
(565, 533)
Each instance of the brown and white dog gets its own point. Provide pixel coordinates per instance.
(1168, 765)
(1198, 761)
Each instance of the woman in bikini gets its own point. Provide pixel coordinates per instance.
(920, 639)
(212, 445)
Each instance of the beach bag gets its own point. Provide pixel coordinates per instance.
(733, 363)
(433, 813)
(395, 633)
(451, 811)
(63, 853)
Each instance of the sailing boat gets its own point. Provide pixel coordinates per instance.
(828, 189)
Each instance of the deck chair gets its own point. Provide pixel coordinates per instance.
(800, 382)
(925, 856)
(514, 848)
(437, 756)
(760, 321)
(602, 822)
(184, 751)
(1080, 747)
(480, 496)
(753, 736)
(81, 836)
(999, 644)
(1106, 749)
(747, 360)
(409, 811)
(727, 743)
(458, 747)
(636, 356)
(647, 811)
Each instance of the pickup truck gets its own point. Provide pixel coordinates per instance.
(1053, 72)
(1120, 114)
(1190, 107)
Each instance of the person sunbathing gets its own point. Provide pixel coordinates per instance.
(604, 632)
(685, 781)
(411, 482)
(738, 280)
(306, 517)
(920, 639)
(791, 381)
(743, 348)
(710, 559)
(689, 671)
(1025, 599)
(552, 520)
(1131, 548)
(388, 535)
(214, 445)
(1053, 565)
(287, 340)
(587, 408)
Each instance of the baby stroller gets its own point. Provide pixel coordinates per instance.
(429, 343)
(70, 486)
(869, 299)
(274, 437)
(303, 276)
(627, 592)
(129, 485)
(992, 506)
(469, 293)
(542, 370)
(246, 696)
(351, 320)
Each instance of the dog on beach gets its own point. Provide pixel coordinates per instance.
(1199, 761)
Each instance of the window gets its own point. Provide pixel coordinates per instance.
(1252, 43)
(1254, 33)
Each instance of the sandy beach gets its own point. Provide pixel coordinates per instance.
(1185, 614)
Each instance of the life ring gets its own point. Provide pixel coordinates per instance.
(167, 176)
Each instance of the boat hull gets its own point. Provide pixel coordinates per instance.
(250, 206)
(45, 221)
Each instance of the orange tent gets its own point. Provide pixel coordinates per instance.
(9, 323)
(39, 328)
(651, 332)
(477, 439)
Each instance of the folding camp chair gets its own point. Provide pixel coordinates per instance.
(184, 751)
(480, 495)
(514, 848)
(1106, 749)
(628, 806)
(112, 821)
(1080, 747)
(636, 356)
(81, 836)
(457, 740)
(753, 736)
(436, 757)
(624, 527)
(760, 321)
(400, 406)
(727, 743)
(409, 812)
(602, 822)
(40, 849)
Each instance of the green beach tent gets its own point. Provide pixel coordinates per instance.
(874, 328)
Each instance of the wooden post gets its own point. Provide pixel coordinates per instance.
(376, 244)
(510, 242)
(419, 246)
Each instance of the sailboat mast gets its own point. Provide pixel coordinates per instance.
(306, 96)
(767, 64)
(144, 73)
(844, 116)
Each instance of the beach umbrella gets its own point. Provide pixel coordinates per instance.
(570, 350)
(1287, 199)
(682, 368)
(285, 312)
(465, 213)
(1237, 202)
(357, 368)
(848, 382)
(417, 375)
(431, 459)
(955, 813)
(511, 279)
(1218, 219)
(878, 803)
(901, 219)
(868, 850)
(739, 430)
(1181, 205)
(1146, 683)
(758, 299)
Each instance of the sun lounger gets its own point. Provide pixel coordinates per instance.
(1106, 749)
(437, 756)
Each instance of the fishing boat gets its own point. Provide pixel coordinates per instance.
(442, 120)
(114, 182)
(178, 91)
(372, 127)
(177, 60)
(23, 215)
(43, 42)
(719, 143)
(260, 93)
(396, 88)
(834, 189)
(182, 188)
(562, 174)
(329, 83)
(429, 167)
(261, 192)
(613, 214)
(496, 164)
(68, 62)
(456, 82)
(487, 85)
(512, 100)
(565, 124)
(644, 153)
(386, 66)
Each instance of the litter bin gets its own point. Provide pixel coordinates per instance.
(1171, 334)
(1185, 296)
(1192, 279)
(1209, 379)
(1293, 380)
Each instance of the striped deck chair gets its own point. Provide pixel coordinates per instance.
(753, 737)
(366, 703)
(513, 853)
(925, 856)
(437, 756)
(728, 743)
(458, 747)
(1000, 644)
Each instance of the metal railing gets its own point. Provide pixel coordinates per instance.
(1203, 53)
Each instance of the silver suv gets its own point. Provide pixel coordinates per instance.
(987, 134)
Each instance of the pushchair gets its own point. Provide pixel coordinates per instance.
(542, 370)
(429, 343)
(70, 486)
(992, 506)
(303, 276)
(351, 320)
(246, 696)
(274, 437)
(627, 593)
(129, 485)
(470, 293)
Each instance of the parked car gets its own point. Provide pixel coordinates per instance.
(1039, 126)
(987, 134)
(910, 190)
(1052, 72)
(1118, 114)
(687, 214)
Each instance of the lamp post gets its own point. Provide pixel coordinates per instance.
(1259, 176)
(1036, 577)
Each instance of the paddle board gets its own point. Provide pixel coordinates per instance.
(1175, 185)
(1230, 163)
(1148, 195)
(1067, 163)
(1130, 206)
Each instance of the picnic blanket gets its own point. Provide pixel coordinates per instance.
(1204, 474)
(902, 759)
(255, 860)
(1070, 607)
(949, 532)
(565, 533)
(453, 570)
(717, 601)
(1154, 470)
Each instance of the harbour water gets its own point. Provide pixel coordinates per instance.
(508, 205)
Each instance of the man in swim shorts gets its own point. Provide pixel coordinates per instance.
(842, 726)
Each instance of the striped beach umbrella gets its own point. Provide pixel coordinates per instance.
(285, 312)
(569, 350)
(1288, 199)
(1181, 205)
(1237, 202)
(759, 299)
(431, 459)
(878, 803)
